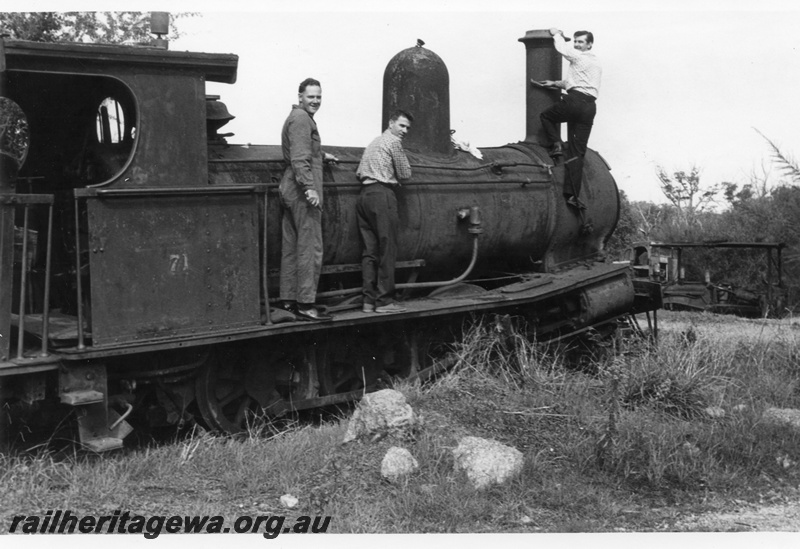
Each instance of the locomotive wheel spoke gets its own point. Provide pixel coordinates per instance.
(238, 384)
(241, 412)
(361, 360)
(221, 390)
(434, 343)
(340, 365)
(233, 395)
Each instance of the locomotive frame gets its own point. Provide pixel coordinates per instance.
(138, 248)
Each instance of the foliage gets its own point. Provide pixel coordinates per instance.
(625, 233)
(785, 162)
(690, 199)
(762, 209)
(13, 133)
(650, 218)
(82, 26)
(766, 210)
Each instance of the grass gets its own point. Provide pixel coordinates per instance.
(625, 444)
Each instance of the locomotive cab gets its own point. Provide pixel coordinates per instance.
(117, 138)
(81, 133)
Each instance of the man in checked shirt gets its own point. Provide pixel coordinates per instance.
(380, 171)
(577, 108)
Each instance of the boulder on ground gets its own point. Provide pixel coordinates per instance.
(398, 463)
(782, 416)
(380, 412)
(487, 462)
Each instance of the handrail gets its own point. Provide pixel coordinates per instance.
(48, 266)
(264, 271)
(168, 191)
(27, 201)
(23, 283)
(81, 343)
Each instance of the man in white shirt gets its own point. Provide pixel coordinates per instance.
(577, 108)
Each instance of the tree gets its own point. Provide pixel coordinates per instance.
(625, 233)
(13, 133)
(687, 195)
(763, 209)
(786, 163)
(82, 26)
(650, 218)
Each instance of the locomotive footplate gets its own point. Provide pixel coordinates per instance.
(567, 282)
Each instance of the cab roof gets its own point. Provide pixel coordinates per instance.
(87, 58)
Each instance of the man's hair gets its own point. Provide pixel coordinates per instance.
(589, 36)
(308, 82)
(398, 113)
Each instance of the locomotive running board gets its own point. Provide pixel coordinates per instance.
(570, 280)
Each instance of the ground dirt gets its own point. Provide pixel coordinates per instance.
(749, 518)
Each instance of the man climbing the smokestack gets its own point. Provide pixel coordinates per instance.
(380, 171)
(577, 108)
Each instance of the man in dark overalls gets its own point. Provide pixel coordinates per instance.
(301, 204)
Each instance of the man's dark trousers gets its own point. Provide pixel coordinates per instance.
(578, 111)
(378, 223)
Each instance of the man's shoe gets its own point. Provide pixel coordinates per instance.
(556, 150)
(312, 313)
(368, 308)
(390, 308)
(290, 306)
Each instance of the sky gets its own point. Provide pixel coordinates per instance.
(685, 83)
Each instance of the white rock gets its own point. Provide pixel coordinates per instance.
(487, 462)
(398, 463)
(715, 412)
(381, 411)
(782, 416)
(289, 501)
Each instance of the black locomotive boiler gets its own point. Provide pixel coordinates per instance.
(139, 249)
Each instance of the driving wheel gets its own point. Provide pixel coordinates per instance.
(239, 385)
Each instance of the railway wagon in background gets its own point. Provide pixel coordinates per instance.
(139, 248)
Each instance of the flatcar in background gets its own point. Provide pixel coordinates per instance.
(139, 249)
(688, 286)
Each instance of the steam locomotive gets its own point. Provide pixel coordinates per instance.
(139, 250)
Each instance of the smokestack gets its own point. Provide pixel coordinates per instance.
(542, 62)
